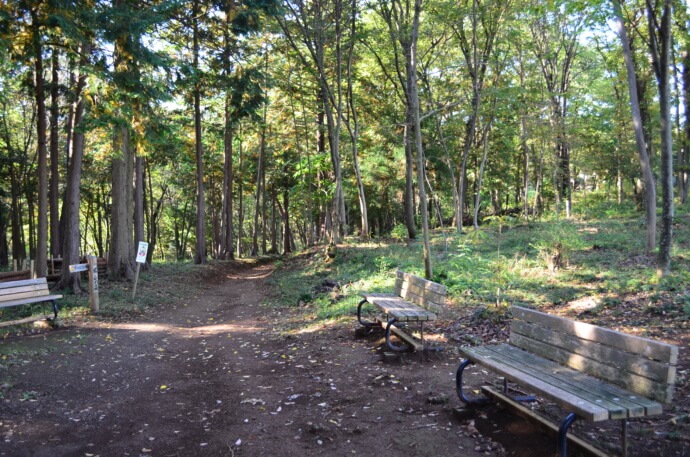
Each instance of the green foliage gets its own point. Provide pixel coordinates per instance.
(556, 243)
(399, 232)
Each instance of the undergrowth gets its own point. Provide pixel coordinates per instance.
(601, 258)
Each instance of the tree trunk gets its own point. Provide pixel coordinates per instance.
(121, 249)
(684, 148)
(41, 130)
(480, 179)
(17, 230)
(287, 245)
(71, 233)
(53, 196)
(240, 203)
(649, 189)
(660, 48)
(353, 129)
(200, 232)
(414, 103)
(227, 242)
(257, 199)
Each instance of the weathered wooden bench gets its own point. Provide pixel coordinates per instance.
(414, 300)
(25, 292)
(594, 373)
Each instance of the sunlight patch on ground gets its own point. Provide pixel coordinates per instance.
(202, 329)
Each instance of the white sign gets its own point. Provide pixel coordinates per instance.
(141, 251)
(78, 267)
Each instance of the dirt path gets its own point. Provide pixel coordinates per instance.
(213, 376)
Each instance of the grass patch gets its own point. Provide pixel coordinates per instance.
(601, 258)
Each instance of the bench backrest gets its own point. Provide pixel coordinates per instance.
(27, 288)
(420, 291)
(638, 364)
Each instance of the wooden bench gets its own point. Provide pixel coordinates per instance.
(594, 373)
(25, 292)
(414, 300)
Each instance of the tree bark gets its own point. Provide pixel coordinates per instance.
(200, 232)
(257, 199)
(683, 164)
(660, 49)
(71, 232)
(41, 131)
(648, 178)
(53, 196)
(421, 169)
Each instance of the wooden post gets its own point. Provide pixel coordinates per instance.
(93, 282)
(142, 249)
(15, 263)
(136, 279)
(32, 269)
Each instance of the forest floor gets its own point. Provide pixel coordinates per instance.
(217, 372)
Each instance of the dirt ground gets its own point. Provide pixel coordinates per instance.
(217, 375)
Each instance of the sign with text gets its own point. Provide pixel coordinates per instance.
(78, 267)
(141, 251)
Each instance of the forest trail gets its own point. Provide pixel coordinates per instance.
(214, 375)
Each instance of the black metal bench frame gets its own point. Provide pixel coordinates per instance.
(594, 373)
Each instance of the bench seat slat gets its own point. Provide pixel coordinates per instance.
(403, 310)
(600, 392)
(23, 282)
(603, 370)
(370, 296)
(26, 301)
(489, 359)
(23, 295)
(4, 293)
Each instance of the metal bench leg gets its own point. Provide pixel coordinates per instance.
(624, 438)
(563, 432)
(55, 310)
(458, 386)
(359, 315)
(391, 346)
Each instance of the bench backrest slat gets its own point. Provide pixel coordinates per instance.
(420, 291)
(644, 366)
(16, 290)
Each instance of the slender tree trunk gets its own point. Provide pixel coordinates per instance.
(240, 203)
(414, 102)
(287, 245)
(264, 200)
(227, 242)
(480, 179)
(649, 188)
(41, 130)
(683, 23)
(17, 230)
(257, 199)
(200, 246)
(660, 47)
(353, 128)
(53, 197)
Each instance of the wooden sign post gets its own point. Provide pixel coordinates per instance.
(92, 267)
(141, 258)
(92, 261)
